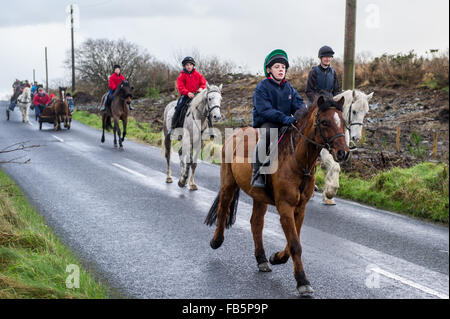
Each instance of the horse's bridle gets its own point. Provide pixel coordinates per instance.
(348, 126)
(307, 171)
(207, 113)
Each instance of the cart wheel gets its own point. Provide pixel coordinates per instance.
(7, 114)
(40, 125)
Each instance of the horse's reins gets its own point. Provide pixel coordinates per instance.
(307, 171)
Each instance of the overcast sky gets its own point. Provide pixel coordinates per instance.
(242, 31)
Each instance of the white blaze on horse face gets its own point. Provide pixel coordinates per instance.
(337, 120)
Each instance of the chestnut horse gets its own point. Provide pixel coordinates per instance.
(289, 188)
(61, 110)
(118, 110)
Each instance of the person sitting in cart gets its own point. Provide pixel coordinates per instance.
(70, 102)
(41, 100)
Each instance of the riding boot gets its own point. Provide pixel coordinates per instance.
(176, 115)
(258, 179)
(104, 105)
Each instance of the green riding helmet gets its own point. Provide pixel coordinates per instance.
(276, 56)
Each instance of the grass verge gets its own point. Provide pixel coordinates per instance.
(33, 261)
(421, 191)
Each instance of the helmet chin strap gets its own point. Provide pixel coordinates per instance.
(273, 77)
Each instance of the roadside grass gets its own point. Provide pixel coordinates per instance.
(138, 131)
(421, 191)
(33, 260)
(143, 132)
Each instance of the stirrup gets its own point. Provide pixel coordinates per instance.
(258, 180)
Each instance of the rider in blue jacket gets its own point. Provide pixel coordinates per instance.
(275, 101)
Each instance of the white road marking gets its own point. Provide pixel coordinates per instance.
(409, 283)
(129, 170)
(58, 138)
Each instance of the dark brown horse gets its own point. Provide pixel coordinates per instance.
(118, 110)
(289, 188)
(61, 110)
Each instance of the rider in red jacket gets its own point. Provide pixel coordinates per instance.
(189, 82)
(41, 100)
(114, 81)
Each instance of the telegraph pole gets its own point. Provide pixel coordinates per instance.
(348, 82)
(73, 49)
(46, 70)
(34, 75)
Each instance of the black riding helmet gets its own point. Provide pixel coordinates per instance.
(188, 59)
(326, 51)
(116, 66)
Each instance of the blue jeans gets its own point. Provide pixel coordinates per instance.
(110, 92)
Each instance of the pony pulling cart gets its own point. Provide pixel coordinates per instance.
(57, 113)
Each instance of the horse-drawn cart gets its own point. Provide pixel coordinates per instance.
(48, 116)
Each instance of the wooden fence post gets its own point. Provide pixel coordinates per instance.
(245, 115)
(168, 81)
(435, 145)
(397, 140)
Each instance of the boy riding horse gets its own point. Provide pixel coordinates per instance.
(323, 77)
(189, 82)
(275, 100)
(114, 81)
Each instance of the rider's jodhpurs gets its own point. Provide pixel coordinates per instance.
(264, 140)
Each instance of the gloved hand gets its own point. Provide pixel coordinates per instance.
(291, 120)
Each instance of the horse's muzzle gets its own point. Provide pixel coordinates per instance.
(342, 155)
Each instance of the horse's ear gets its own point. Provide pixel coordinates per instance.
(341, 101)
(220, 87)
(320, 101)
(369, 96)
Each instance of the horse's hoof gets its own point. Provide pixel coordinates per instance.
(328, 201)
(264, 267)
(193, 187)
(216, 243)
(169, 180)
(305, 291)
(274, 260)
(103, 140)
(180, 184)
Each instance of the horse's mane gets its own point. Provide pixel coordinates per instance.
(304, 118)
(202, 95)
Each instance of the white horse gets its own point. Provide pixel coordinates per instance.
(355, 109)
(24, 102)
(203, 109)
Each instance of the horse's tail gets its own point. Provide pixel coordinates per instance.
(108, 124)
(211, 218)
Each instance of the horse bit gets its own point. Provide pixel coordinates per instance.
(307, 172)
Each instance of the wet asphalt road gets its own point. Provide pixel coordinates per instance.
(147, 239)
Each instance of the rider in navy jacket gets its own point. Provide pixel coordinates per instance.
(275, 103)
